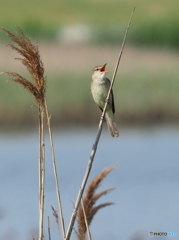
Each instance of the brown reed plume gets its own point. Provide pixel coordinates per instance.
(30, 58)
(55, 214)
(88, 209)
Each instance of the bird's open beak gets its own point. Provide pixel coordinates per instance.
(103, 68)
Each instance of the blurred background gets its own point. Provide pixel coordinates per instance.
(73, 37)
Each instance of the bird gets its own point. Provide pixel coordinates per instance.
(99, 88)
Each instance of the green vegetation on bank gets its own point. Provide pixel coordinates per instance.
(140, 97)
(155, 22)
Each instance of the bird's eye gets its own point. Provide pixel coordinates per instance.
(97, 69)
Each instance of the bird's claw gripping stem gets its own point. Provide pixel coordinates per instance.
(107, 100)
(102, 118)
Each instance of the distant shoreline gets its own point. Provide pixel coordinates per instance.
(146, 86)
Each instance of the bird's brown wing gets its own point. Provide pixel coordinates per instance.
(113, 105)
(112, 96)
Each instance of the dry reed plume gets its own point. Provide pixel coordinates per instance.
(31, 60)
(55, 214)
(89, 209)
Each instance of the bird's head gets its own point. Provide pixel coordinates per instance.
(99, 71)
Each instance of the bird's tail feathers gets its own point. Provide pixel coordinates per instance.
(112, 127)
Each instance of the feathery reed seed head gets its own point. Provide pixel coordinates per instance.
(55, 214)
(89, 201)
(32, 61)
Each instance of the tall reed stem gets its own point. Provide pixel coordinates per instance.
(55, 171)
(95, 145)
(41, 170)
(49, 235)
(30, 58)
(85, 219)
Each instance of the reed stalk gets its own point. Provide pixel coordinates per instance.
(86, 221)
(55, 171)
(32, 61)
(41, 170)
(95, 145)
(49, 234)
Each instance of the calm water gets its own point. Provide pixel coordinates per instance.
(147, 179)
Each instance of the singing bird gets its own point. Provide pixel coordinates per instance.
(99, 88)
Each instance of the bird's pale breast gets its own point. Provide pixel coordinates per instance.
(99, 92)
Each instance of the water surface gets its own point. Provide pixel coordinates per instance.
(146, 179)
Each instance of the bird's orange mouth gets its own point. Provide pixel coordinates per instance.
(103, 68)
